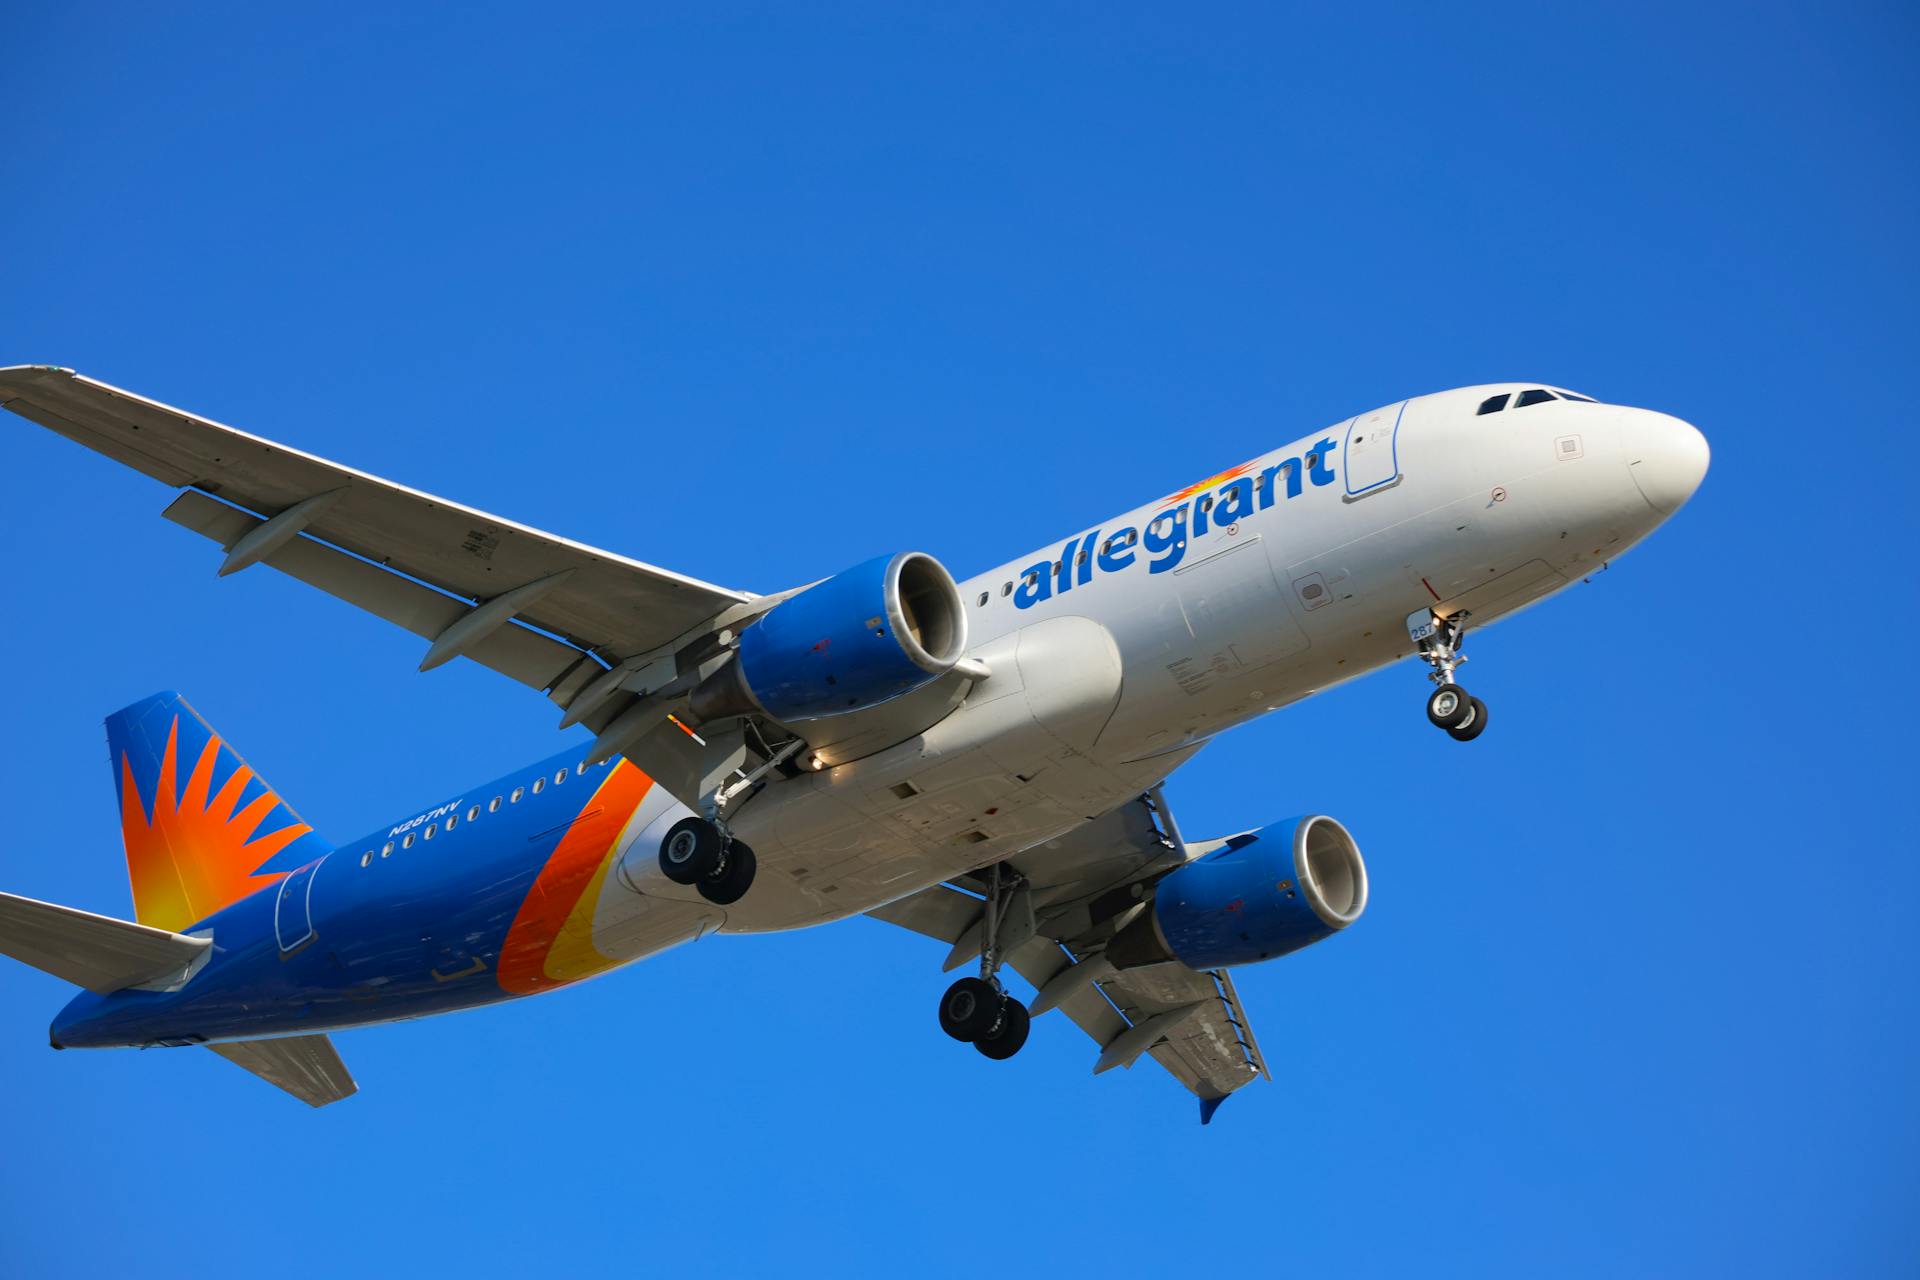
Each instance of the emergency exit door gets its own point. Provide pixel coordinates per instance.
(293, 909)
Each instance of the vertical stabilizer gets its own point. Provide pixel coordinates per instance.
(202, 830)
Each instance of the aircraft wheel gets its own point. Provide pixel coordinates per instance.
(1008, 1034)
(1449, 706)
(970, 1009)
(735, 877)
(1473, 726)
(690, 852)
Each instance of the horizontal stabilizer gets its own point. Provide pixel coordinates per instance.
(308, 1067)
(99, 953)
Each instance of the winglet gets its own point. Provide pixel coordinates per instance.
(1210, 1105)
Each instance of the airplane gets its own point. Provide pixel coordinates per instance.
(980, 761)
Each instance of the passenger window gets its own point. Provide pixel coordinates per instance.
(473, 813)
(514, 798)
(366, 859)
(386, 849)
(1206, 504)
(1006, 588)
(493, 805)
(453, 820)
(1031, 580)
(539, 785)
(1535, 396)
(582, 768)
(983, 599)
(406, 841)
(1494, 404)
(433, 829)
(559, 777)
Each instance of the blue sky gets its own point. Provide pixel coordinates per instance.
(757, 293)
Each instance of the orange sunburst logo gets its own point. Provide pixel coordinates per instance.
(196, 855)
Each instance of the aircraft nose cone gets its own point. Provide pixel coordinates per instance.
(1667, 459)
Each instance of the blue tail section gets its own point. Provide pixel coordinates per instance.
(202, 830)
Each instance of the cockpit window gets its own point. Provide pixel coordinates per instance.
(1535, 396)
(1494, 404)
(1568, 395)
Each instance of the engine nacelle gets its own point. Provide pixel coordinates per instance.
(877, 631)
(1264, 894)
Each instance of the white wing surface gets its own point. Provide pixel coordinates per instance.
(410, 557)
(1191, 1023)
(308, 1067)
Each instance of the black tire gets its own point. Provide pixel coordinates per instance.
(1007, 1035)
(735, 878)
(970, 1009)
(1473, 726)
(1449, 706)
(690, 851)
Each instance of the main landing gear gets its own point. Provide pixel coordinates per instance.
(978, 1011)
(1450, 707)
(700, 853)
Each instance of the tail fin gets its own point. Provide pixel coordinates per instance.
(205, 840)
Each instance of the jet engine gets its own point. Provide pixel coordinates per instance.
(852, 641)
(1260, 895)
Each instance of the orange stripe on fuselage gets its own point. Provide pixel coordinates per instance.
(556, 920)
(1231, 473)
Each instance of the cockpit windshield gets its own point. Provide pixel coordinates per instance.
(1531, 396)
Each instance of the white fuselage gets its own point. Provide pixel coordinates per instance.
(1113, 658)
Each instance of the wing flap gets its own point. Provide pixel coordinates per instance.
(97, 952)
(1040, 959)
(1205, 1051)
(611, 604)
(512, 650)
(308, 1067)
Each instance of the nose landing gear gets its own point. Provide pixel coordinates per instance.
(978, 1011)
(700, 853)
(1450, 707)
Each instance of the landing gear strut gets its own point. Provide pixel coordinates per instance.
(1450, 707)
(978, 1011)
(700, 853)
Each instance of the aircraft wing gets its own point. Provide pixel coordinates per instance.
(420, 561)
(1191, 1023)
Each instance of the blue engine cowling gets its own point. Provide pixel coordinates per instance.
(1263, 894)
(857, 639)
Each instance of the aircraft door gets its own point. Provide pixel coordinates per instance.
(293, 909)
(1371, 453)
